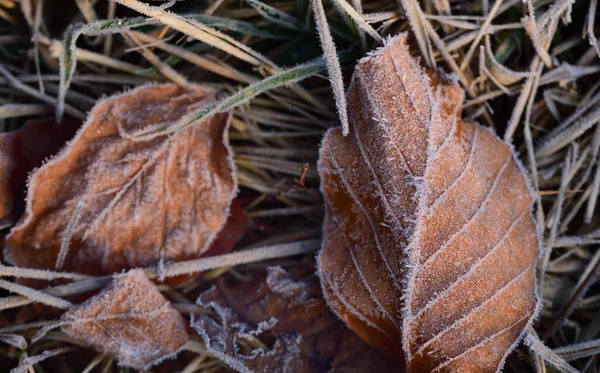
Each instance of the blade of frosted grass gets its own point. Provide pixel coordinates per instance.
(198, 60)
(68, 59)
(28, 362)
(480, 34)
(286, 211)
(15, 83)
(294, 74)
(276, 16)
(245, 28)
(39, 274)
(561, 138)
(213, 38)
(240, 257)
(540, 349)
(333, 64)
(517, 111)
(440, 45)
(35, 295)
(200, 32)
(92, 364)
(555, 218)
(413, 12)
(14, 340)
(531, 27)
(360, 22)
(531, 154)
(587, 278)
(590, 26)
(73, 288)
(579, 350)
(20, 110)
(164, 69)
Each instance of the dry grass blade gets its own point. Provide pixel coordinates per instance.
(415, 16)
(333, 63)
(358, 19)
(28, 362)
(237, 258)
(35, 295)
(199, 31)
(548, 355)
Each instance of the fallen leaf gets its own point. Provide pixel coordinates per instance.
(23, 150)
(430, 247)
(128, 319)
(127, 202)
(308, 337)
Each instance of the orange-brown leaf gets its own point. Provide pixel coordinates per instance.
(139, 202)
(429, 244)
(129, 319)
(308, 337)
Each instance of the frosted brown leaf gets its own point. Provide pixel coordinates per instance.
(23, 150)
(130, 202)
(308, 337)
(430, 247)
(129, 319)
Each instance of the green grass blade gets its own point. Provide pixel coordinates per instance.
(276, 16)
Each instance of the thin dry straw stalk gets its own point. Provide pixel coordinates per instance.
(237, 258)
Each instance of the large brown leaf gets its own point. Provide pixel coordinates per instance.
(129, 319)
(429, 245)
(308, 338)
(131, 203)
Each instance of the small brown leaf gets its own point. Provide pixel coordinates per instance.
(430, 246)
(308, 337)
(131, 202)
(23, 150)
(129, 319)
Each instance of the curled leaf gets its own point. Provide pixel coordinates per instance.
(120, 202)
(429, 244)
(308, 337)
(128, 319)
(23, 150)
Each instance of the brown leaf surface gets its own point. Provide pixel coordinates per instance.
(429, 245)
(23, 150)
(129, 319)
(308, 337)
(143, 201)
